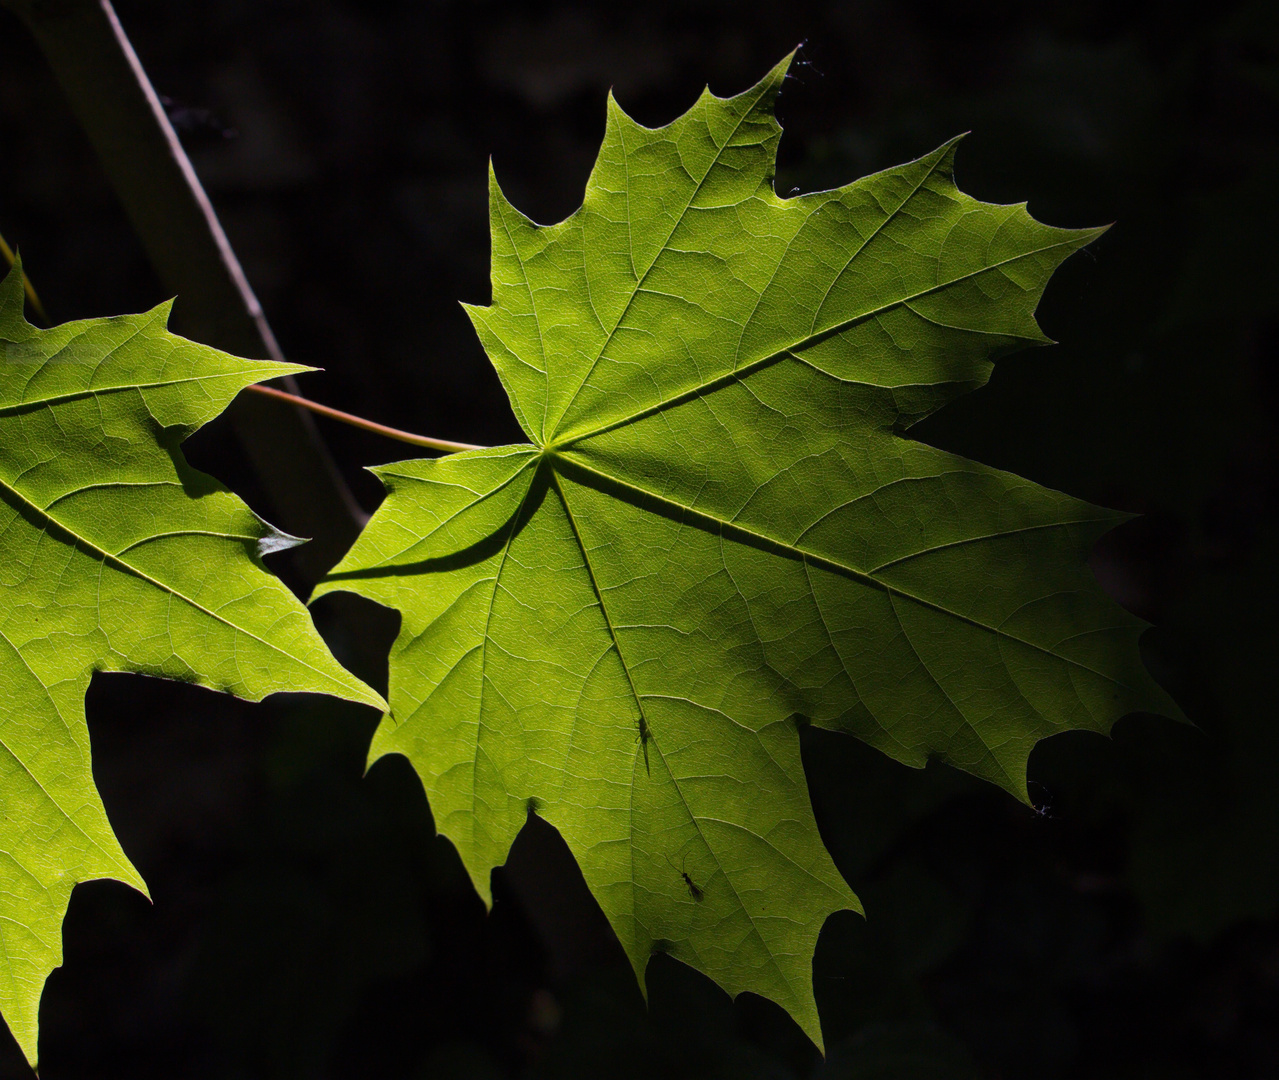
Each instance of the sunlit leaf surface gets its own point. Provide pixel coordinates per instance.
(719, 529)
(115, 555)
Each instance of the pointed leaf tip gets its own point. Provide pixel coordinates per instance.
(276, 541)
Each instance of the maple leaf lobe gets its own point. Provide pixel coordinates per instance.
(117, 556)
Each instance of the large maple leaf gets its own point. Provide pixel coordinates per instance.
(115, 555)
(719, 530)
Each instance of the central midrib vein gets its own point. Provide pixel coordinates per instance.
(738, 373)
(94, 391)
(639, 284)
(639, 704)
(705, 519)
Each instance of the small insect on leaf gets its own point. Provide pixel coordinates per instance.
(643, 738)
(693, 889)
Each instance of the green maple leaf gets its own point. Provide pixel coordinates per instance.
(719, 529)
(116, 556)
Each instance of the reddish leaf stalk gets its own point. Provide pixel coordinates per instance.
(368, 425)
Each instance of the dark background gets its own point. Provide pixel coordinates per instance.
(306, 921)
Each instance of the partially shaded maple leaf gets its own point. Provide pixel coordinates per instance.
(116, 556)
(719, 529)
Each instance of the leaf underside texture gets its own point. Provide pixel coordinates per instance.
(718, 529)
(115, 555)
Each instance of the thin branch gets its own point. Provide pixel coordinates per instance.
(446, 445)
(195, 190)
(110, 94)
